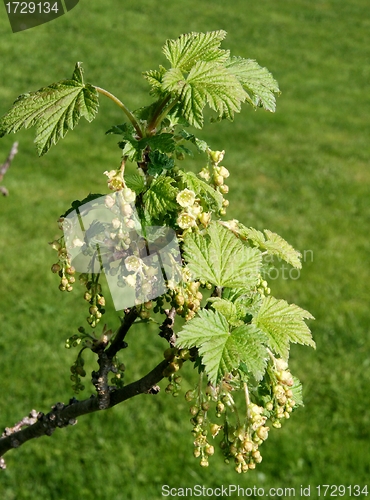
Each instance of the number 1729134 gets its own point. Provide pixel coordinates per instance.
(32, 7)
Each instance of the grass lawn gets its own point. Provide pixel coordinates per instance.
(302, 172)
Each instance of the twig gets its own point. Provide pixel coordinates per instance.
(64, 415)
(118, 342)
(4, 167)
(166, 328)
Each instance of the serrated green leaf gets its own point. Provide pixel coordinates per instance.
(276, 245)
(226, 308)
(135, 182)
(252, 350)
(163, 143)
(222, 351)
(220, 258)
(53, 110)
(283, 323)
(271, 242)
(129, 150)
(133, 148)
(190, 48)
(125, 129)
(212, 198)
(206, 83)
(258, 82)
(155, 77)
(158, 162)
(159, 199)
(297, 392)
(201, 145)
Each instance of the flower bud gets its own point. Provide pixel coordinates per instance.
(55, 268)
(224, 172)
(216, 156)
(218, 180)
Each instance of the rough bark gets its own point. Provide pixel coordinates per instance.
(61, 415)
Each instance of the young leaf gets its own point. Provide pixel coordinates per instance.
(53, 110)
(201, 145)
(163, 143)
(190, 48)
(283, 323)
(221, 258)
(221, 350)
(271, 242)
(158, 162)
(206, 83)
(154, 77)
(159, 199)
(226, 308)
(258, 83)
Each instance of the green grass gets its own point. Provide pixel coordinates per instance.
(302, 172)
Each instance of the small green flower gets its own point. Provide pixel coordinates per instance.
(133, 263)
(186, 220)
(186, 198)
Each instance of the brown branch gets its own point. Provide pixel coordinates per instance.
(166, 329)
(4, 167)
(118, 342)
(64, 415)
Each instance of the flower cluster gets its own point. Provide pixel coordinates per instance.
(282, 403)
(241, 443)
(63, 267)
(216, 175)
(192, 212)
(186, 296)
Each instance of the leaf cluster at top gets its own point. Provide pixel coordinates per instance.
(201, 73)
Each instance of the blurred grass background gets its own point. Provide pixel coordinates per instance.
(302, 172)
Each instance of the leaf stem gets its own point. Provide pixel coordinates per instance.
(120, 104)
(161, 112)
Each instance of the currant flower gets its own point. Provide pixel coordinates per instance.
(115, 180)
(186, 220)
(186, 198)
(133, 263)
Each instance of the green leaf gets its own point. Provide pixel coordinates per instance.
(135, 182)
(206, 83)
(134, 148)
(53, 110)
(155, 77)
(158, 162)
(276, 245)
(297, 392)
(212, 198)
(125, 129)
(226, 308)
(201, 146)
(271, 242)
(159, 199)
(221, 350)
(258, 83)
(164, 143)
(220, 258)
(190, 48)
(283, 323)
